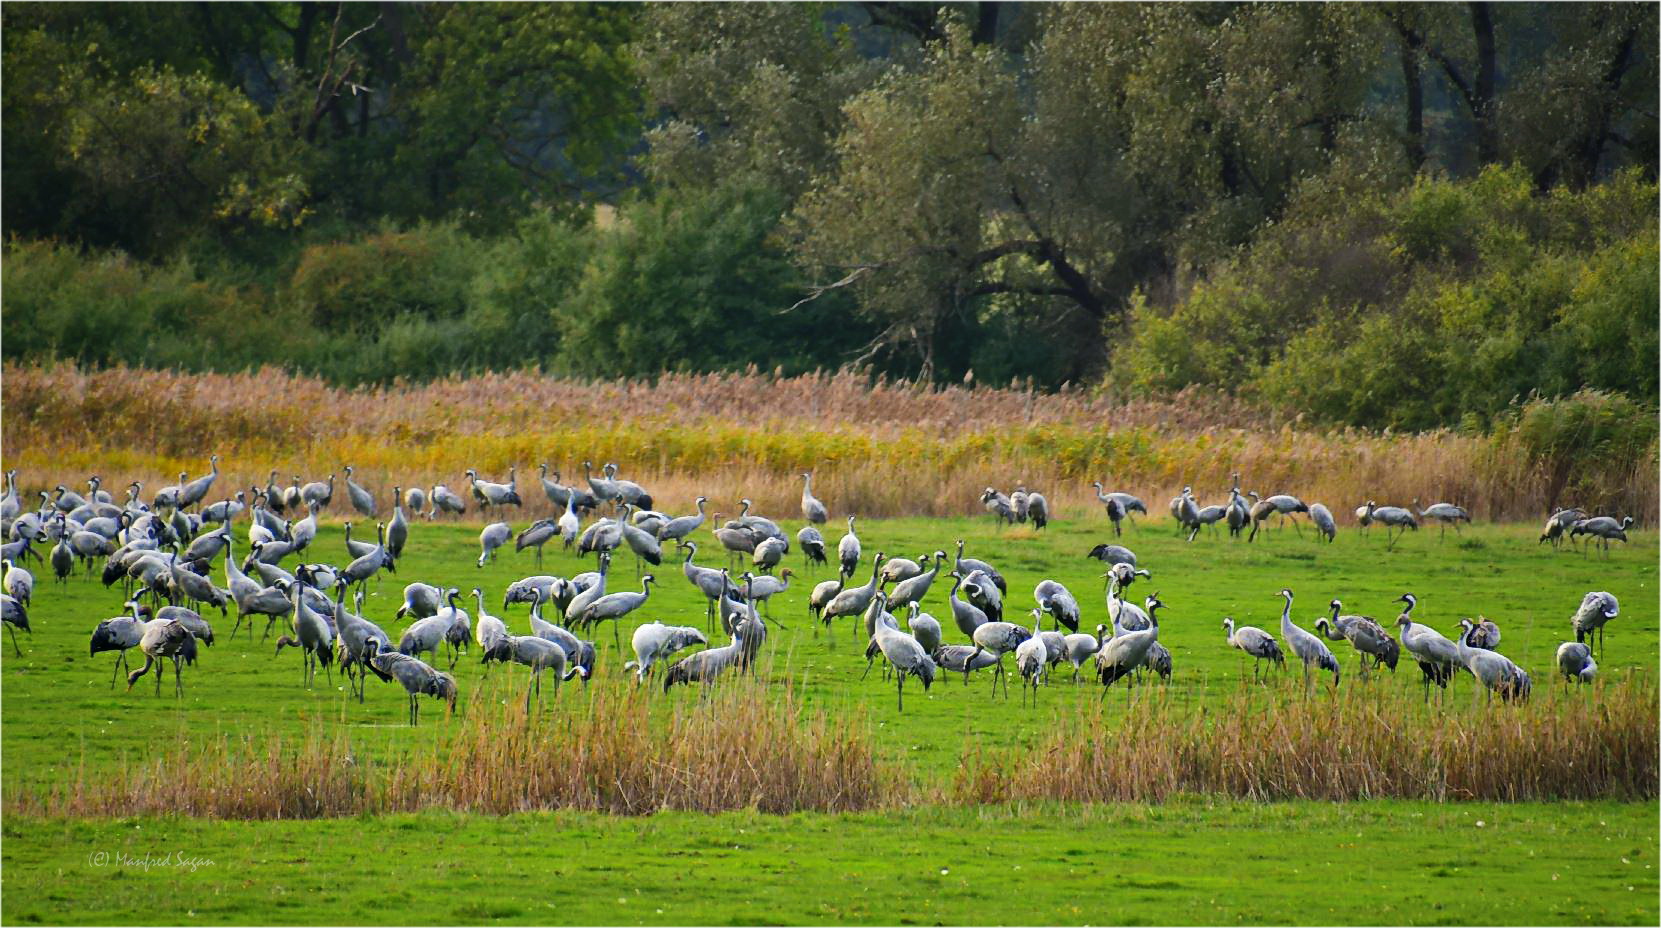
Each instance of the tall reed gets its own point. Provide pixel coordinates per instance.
(877, 448)
(743, 745)
(1585, 743)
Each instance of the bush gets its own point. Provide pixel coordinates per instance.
(1444, 305)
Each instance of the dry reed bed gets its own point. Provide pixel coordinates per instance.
(745, 746)
(1598, 743)
(877, 448)
(748, 745)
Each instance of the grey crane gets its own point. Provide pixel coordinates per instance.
(397, 531)
(643, 543)
(999, 505)
(655, 641)
(17, 583)
(1058, 601)
(968, 565)
(370, 563)
(1445, 513)
(536, 535)
(979, 590)
(489, 632)
(1365, 635)
(1206, 517)
(853, 601)
(1032, 659)
(1080, 647)
(417, 677)
(580, 603)
(14, 615)
(421, 600)
(416, 499)
(318, 493)
(1325, 525)
(1280, 504)
(491, 494)
(812, 510)
(1038, 509)
(302, 533)
(1603, 528)
(708, 580)
(1558, 523)
(569, 525)
(577, 650)
(967, 615)
(362, 500)
(769, 552)
(273, 494)
(1256, 642)
(494, 535)
(459, 629)
(425, 635)
(118, 634)
(353, 633)
(822, 594)
(225, 510)
(1124, 616)
(315, 638)
(1392, 517)
(627, 490)
(541, 588)
(913, 589)
(907, 656)
(1018, 502)
(998, 639)
(194, 491)
(605, 489)
(1125, 652)
(924, 627)
(1493, 670)
(682, 526)
(1239, 514)
(1484, 634)
(813, 546)
(1574, 662)
(847, 550)
(540, 654)
(705, 666)
(901, 568)
(557, 493)
(736, 541)
(165, 640)
(1436, 656)
(444, 500)
(764, 588)
(1113, 554)
(1115, 508)
(614, 606)
(965, 659)
(1596, 609)
(1308, 648)
(1187, 511)
(291, 495)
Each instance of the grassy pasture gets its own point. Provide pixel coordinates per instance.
(1307, 862)
(1184, 862)
(61, 713)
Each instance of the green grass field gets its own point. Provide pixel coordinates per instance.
(1361, 862)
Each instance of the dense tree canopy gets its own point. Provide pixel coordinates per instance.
(1253, 197)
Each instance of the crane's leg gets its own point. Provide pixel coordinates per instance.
(158, 674)
(178, 684)
(13, 633)
(868, 662)
(901, 689)
(615, 640)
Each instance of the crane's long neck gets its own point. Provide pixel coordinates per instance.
(1286, 618)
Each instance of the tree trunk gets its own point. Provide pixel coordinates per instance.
(1482, 92)
(1414, 129)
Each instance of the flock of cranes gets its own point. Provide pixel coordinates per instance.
(161, 554)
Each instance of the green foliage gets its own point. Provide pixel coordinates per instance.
(1573, 437)
(693, 282)
(1451, 300)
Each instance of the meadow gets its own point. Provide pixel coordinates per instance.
(809, 748)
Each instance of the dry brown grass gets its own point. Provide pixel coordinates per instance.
(743, 746)
(877, 448)
(1597, 743)
(750, 746)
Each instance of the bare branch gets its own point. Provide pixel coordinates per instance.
(820, 290)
